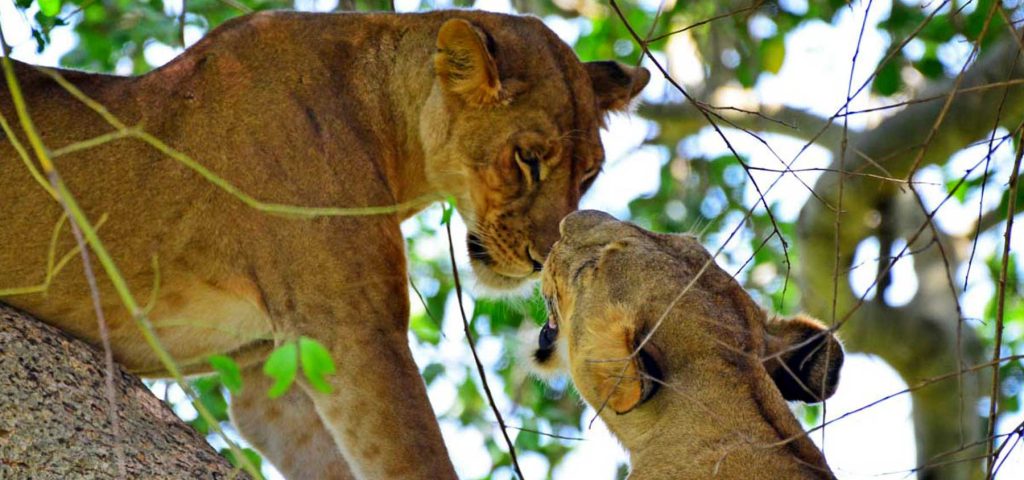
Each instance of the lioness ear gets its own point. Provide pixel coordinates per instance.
(616, 84)
(803, 358)
(605, 369)
(464, 65)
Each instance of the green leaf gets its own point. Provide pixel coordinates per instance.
(316, 363)
(228, 370)
(773, 53)
(50, 8)
(432, 371)
(449, 207)
(888, 80)
(253, 456)
(425, 329)
(282, 365)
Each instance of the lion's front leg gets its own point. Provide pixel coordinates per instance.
(350, 293)
(286, 430)
(379, 412)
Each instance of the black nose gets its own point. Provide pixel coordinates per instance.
(477, 250)
(548, 336)
(546, 343)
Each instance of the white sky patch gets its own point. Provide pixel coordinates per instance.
(865, 268)
(23, 45)
(630, 170)
(568, 29)
(500, 6)
(686, 66)
(595, 458)
(406, 5)
(877, 440)
(816, 71)
(904, 279)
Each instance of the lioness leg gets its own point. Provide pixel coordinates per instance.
(286, 430)
(379, 412)
(343, 282)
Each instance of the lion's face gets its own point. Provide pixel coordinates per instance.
(511, 130)
(614, 293)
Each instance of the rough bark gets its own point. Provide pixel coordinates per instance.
(54, 420)
(920, 340)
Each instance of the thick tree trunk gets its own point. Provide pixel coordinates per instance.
(54, 415)
(925, 338)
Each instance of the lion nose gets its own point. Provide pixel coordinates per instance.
(581, 221)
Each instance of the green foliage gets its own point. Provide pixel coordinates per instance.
(228, 371)
(449, 208)
(253, 456)
(282, 365)
(316, 364)
(212, 397)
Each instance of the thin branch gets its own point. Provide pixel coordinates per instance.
(753, 6)
(1001, 299)
(476, 357)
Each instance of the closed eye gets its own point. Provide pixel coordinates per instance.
(589, 264)
(530, 163)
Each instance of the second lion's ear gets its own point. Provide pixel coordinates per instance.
(616, 84)
(804, 358)
(464, 65)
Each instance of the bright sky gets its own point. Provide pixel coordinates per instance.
(876, 442)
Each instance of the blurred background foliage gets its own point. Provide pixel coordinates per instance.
(738, 44)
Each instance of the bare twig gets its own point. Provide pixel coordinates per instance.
(476, 357)
(993, 409)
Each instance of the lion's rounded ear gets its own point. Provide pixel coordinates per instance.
(616, 84)
(465, 65)
(803, 358)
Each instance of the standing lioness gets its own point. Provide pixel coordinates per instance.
(344, 110)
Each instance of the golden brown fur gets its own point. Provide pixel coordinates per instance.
(704, 395)
(345, 110)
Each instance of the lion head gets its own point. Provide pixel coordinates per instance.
(655, 333)
(511, 130)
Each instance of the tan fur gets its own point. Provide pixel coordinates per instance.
(345, 110)
(704, 395)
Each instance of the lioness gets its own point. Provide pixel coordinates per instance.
(704, 395)
(347, 110)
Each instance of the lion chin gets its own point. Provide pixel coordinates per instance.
(493, 284)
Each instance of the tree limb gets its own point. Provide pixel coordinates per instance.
(54, 422)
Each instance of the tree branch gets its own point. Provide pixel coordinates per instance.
(680, 120)
(53, 421)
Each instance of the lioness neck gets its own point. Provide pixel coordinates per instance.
(695, 435)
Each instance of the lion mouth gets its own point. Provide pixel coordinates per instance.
(477, 250)
(490, 272)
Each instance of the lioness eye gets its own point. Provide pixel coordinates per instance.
(530, 162)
